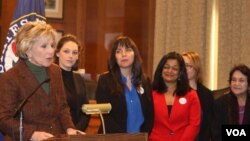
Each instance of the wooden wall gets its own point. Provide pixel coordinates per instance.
(96, 23)
(6, 11)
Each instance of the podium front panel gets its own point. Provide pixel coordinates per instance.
(106, 137)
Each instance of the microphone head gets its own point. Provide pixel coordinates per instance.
(103, 108)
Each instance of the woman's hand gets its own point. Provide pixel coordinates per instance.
(38, 136)
(71, 131)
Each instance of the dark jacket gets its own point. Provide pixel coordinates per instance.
(76, 100)
(116, 120)
(222, 116)
(42, 112)
(206, 100)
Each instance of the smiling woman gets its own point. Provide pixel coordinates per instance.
(233, 108)
(176, 105)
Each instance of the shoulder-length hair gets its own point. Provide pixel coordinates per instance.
(32, 32)
(114, 69)
(233, 112)
(68, 38)
(195, 59)
(182, 82)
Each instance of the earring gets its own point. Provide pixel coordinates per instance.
(29, 57)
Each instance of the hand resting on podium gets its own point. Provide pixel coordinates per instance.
(71, 131)
(40, 135)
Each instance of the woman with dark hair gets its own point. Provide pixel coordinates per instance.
(176, 105)
(234, 107)
(127, 89)
(67, 56)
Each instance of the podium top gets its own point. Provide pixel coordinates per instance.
(102, 137)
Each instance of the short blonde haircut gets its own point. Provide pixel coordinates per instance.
(195, 59)
(32, 32)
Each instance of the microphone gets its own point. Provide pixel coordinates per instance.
(103, 108)
(100, 109)
(21, 105)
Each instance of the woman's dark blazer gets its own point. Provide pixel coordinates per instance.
(221, 114)
(42, 112)
(206, 100)
(75, 102)
(116, 120)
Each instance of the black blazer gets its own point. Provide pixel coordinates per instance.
(221, 114)
(76, 100)
(206, 100)
(116, 120)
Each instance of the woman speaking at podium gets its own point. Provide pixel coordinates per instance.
(127, 89)
(34, 79)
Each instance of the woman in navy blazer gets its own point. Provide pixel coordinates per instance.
(176, 106)
(127, 89)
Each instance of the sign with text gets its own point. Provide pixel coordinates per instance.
(235, 132)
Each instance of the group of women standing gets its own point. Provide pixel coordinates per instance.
(178, 107)
(175, 106)
(169, 111)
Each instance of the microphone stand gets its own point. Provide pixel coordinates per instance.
(97, 109)
(21, 126)
(103, 124)
(21, 105)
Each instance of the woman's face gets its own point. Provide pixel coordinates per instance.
(41, 53)
(124, 57)
(170, 71)
(191, 72)
(239, 84)
(68, 55)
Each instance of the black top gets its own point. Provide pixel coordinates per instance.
(75, 90)
(116, 120)
(222, 106)
(206, 100)
(169, 109)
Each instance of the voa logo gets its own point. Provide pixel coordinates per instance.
(236, 132)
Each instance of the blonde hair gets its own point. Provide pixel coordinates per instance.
(32, 32)
(195, 59)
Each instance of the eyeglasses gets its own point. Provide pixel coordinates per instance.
(189, 66)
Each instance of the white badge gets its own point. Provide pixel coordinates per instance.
(140, 90)
(182, 100)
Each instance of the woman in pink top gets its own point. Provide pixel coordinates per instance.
(176, 105)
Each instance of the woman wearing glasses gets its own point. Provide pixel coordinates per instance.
(194, 72)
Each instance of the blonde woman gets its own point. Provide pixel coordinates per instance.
(46, 113)
(194, 72)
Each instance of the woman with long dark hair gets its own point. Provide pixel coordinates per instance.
(176, 106)
(127, 89)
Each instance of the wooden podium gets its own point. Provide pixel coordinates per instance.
(102, 137)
